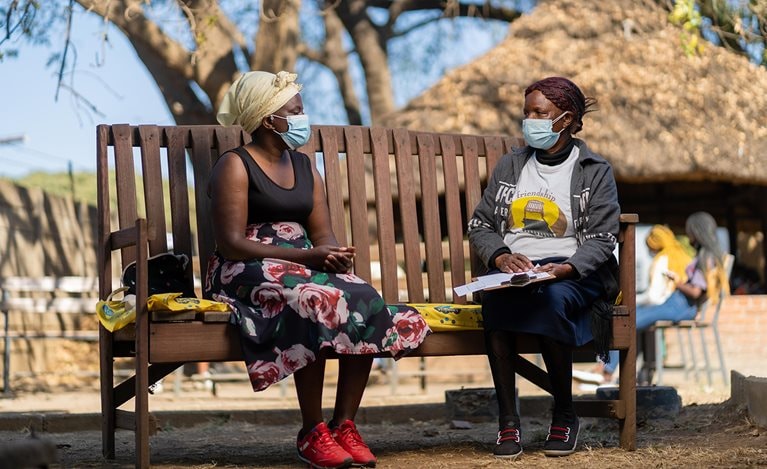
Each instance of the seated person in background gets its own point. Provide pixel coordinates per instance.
(289, 283)
(669, 256)
(704, 277)
(549, 206)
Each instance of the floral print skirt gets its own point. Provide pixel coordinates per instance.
(287, 312)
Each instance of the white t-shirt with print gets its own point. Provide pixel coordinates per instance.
(540, 222)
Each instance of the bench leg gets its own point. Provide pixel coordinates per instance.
(106, 381)
(142, 392)
(627, 394)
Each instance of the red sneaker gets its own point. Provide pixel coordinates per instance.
(320, 450)
(349, 438)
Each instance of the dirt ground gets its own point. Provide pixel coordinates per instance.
(703, 435)
(709, 432)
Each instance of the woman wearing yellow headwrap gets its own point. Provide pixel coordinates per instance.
(669, 256)
(279, 265)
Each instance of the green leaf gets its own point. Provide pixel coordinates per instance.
(362, 308)
(391, 340)
(377, 304)
(291, 281)
(319, 278)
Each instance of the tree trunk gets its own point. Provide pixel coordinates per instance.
(278, 36)
(372, 52)
(337, 60)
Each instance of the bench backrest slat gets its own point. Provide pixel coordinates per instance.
(125, 179)
(104, 228)
(406, 193)
(432, 230)
(358, 207)
(333, 184)
(455, 229)
(202, 161)
(384, 213)
(179, 192)
(149, 142)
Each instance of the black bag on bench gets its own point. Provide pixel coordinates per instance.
(167, 274)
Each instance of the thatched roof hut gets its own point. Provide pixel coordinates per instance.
(666, 121)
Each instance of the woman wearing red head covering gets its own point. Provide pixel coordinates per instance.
(550, 206)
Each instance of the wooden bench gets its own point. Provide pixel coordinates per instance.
(54, 296)
(385, 187)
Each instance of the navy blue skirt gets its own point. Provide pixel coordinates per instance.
(558, 309)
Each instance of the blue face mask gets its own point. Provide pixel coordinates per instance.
(298, 132)
(539, 133)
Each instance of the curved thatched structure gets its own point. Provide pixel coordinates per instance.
(683, 133)
(663, 116)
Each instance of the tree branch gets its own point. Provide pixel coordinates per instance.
(170, 63)
(145, 35)
(26, 18)
(67, 42)
(722, 23)
(449, 8)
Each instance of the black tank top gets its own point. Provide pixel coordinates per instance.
(269, 202)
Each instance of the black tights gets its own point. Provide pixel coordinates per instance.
(501, 351)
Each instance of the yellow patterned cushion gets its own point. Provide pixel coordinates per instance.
(450, 317)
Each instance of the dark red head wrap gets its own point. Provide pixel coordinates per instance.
(566, 96)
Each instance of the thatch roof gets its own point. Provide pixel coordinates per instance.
(662, 116)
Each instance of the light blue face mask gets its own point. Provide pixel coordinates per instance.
(298, 131)
(539, 133)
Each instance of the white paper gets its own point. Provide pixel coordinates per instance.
(494, 280)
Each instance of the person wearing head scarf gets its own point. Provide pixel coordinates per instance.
(550, 206)
(703, 278)
(279, 266)
(669, 256)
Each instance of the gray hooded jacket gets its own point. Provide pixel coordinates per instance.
(595, 211)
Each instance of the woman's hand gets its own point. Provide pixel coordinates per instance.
(336, 259)
(512, 263)
(672, 276)
(559, 271)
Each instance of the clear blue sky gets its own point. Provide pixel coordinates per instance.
(112, 78)
(59, 131)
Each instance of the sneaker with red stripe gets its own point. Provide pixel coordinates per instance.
(508, 445)
(349, 439)
(320, 450)
(562, 438)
